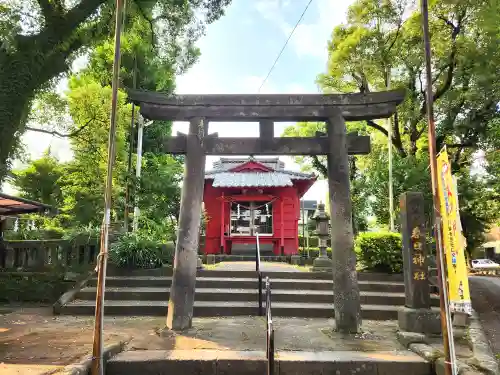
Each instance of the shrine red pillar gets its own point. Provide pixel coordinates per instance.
(222, 241)
(282, 240)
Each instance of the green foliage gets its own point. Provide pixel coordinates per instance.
(381, 40)
(133, 250)
(313, 252)
(380, 251)
(313, 241)
(38, 47)
(82, 234)
(39, 181)
(32, 287)
(47, 233)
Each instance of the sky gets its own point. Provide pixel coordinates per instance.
(237, 53)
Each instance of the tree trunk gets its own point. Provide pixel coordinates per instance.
(15, 95)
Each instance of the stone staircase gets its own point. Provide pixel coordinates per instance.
(235, 293)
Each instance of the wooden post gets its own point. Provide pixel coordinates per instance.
(3, 247)
(345, 282)
(180, 305)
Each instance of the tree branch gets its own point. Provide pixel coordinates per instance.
(319, 166)
(58, 134)
(396, 142)
(50, 9)
(469, 144)
(374, 125)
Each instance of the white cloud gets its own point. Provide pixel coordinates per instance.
(310, 38)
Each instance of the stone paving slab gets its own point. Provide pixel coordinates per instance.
(219, 362)
(264, 267)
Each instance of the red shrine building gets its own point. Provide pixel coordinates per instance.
(243, 197)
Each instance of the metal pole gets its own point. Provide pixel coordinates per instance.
(140, 129)
(435, 193)
(130, 151)
(389, 151)
(97, 348)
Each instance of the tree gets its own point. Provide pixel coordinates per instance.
(40, 39)
(39, 181)
(465, 62)
(380, 46)
(318, 163)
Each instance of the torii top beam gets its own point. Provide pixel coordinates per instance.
(276, 107)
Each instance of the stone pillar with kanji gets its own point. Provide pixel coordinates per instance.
(417, 314)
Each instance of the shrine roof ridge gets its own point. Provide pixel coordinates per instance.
(227, 100)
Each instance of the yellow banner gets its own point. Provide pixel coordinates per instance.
(453, 240)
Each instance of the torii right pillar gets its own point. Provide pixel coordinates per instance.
(347, 304)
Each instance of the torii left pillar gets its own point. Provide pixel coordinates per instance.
(180, 304)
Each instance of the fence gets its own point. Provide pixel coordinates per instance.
(41, 254)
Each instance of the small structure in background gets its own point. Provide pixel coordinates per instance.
(245, 196)
(12, 206)
(322, 262)
(307, 210)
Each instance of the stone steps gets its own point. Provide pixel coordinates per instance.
(237, 295)
(249, 283)
(219, 362)
(223, 308)
(362, 276)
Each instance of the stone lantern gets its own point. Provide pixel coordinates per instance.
(322, 263)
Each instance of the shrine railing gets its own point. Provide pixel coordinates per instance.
(269, 330)
(35, 254)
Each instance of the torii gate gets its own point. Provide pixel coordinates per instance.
(334, 109)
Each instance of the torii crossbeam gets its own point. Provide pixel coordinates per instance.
(334, 109)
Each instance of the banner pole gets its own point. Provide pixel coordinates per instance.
(97, 346)
(445, 316)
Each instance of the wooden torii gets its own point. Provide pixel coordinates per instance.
(334, 109)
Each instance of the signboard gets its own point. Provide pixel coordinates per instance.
(453, 241)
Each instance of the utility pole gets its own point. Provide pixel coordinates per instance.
(389, 151)
(446, 326)
(138, 165)
(97, 347)
(130, 152)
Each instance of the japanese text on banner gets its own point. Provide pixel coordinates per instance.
(454, 246)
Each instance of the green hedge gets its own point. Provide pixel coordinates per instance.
(380, 251)
(313, 241)
(313, 252)
(32, 287)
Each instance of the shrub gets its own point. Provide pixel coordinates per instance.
(313, 252)
(135, 250)
(380, 251)
(49, 233)
(313, 241)
(32, 286)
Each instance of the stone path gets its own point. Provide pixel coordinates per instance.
(32, 341)
(485, 295)
(250, 266)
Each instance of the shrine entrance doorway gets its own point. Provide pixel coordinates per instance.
(335, 143)
(249, 218)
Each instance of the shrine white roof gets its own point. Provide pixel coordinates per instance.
(277, 176)
(251, 179)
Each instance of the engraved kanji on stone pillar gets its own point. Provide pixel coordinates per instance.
(415, 253)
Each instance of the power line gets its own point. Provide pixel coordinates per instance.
(284, 46)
